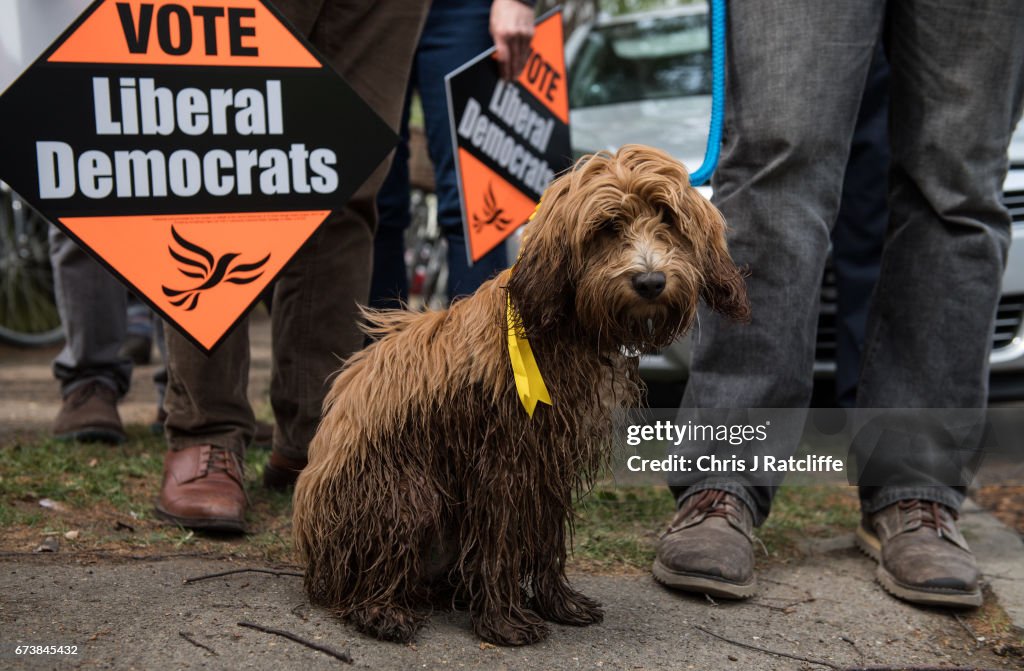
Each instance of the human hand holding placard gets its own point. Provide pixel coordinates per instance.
(512, 30)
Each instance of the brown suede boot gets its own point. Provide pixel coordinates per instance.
(708, 548)
(89, 414)
(922, 556)
(203, 489)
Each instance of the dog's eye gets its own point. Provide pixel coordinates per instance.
(609, 226)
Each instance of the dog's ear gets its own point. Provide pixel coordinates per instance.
(541, 284)
(723, 290)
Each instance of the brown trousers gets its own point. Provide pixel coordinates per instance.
(371, 44)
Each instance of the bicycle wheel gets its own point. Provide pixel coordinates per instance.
(28, 309)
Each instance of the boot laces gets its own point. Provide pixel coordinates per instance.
(79, 398)
(221, 459)
(710, 503)
(931, 515)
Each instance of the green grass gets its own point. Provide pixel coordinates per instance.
(107, 494)
(102, 487)
(618, 528)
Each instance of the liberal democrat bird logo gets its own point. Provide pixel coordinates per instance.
(202, 265)
(492, 213)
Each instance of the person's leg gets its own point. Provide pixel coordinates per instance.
(317, 296)
(859, 231)
(389, 287)
(93, 375)
(138, 344)
(957, 80)
(795, 78)
(454, 33)
(796, 75)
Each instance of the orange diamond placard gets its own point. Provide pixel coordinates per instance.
(511, 138)
(191, 147)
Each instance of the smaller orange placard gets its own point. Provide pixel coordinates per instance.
(494, 208)
(544, 75)
(201, 271)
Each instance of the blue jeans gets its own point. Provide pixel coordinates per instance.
(454, 33)
(797, 70)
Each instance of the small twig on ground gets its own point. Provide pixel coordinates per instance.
(787, 608)
(117, 556)
(343, 656)
(779, 582)
(809, 660)
(297, 612)
(197, 643)
(189, 581)
(710, 600)
(966, 627)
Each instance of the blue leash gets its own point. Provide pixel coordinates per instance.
(703, 173)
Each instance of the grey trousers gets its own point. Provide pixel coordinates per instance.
(314, 313)
(797, 69)
(92, 306)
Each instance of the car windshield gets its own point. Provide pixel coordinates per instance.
(647, 59)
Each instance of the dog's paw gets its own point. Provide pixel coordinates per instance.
(568, 607)
(387, 623)
(519, 627)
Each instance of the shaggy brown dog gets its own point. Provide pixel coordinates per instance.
(427, 473)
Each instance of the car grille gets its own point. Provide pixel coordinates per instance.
(1009, 315)
(1014, 201)
(825, 350)
(1008, 320)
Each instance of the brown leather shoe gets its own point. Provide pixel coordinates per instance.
(922, 556)
(89, 415)
(203, 489)
(708, 548)
(281, 472)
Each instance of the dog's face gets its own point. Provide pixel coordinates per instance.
(626, 247)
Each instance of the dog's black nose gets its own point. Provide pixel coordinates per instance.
(649, 285)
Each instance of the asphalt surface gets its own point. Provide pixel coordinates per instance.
(139, 615)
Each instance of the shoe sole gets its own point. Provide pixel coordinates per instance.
(870, 545)
(690, 582)
(92, 435)
(203, 523)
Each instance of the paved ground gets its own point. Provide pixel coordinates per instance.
(133, 615)
(30, 397)
(137, 614)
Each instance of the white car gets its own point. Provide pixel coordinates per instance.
(645, 78)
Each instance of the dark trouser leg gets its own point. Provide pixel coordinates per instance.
(455, 32)
(389, 287)
(796, 74)
(314, 317)
(92, 306)
(860, 228)
(957, 78)
(315, 303)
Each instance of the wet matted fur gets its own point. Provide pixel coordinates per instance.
(427, 481)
